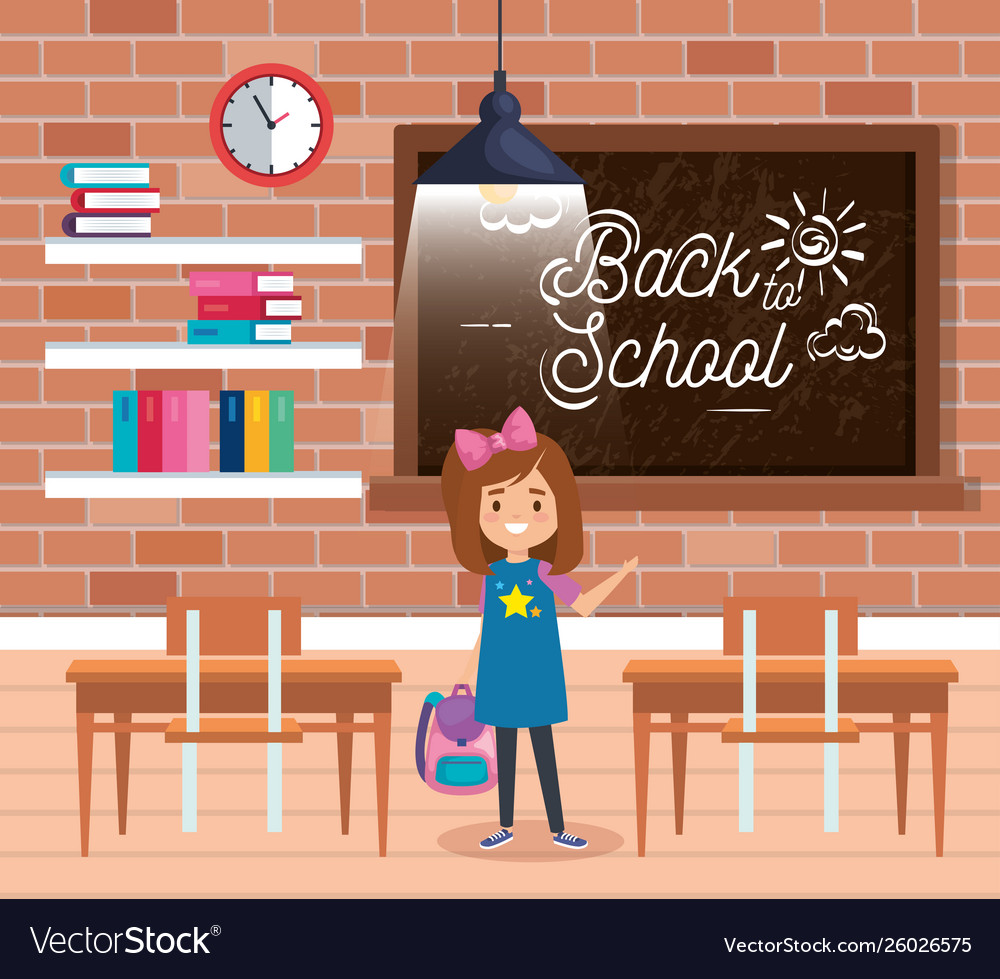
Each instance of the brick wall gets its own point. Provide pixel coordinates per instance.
(118, 78)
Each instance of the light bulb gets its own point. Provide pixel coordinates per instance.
(498, 193)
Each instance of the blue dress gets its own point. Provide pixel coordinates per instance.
(520, 681)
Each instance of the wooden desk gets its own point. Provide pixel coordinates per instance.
(342, 688)
(900, 688)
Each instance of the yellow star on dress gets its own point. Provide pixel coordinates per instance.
(516, 603)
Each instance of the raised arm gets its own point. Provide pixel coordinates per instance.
(590, 600)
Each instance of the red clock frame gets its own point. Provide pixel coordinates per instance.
(281, 71)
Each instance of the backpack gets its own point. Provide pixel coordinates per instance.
(459, 757)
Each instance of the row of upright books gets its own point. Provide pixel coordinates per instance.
(168, 431)
(109, 200)
(243, 307)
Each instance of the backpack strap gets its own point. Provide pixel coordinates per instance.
(430, 702)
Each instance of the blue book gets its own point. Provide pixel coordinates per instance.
(125, 432)
(239, 331)
(281, 432)
(105, 175)
(231, 431)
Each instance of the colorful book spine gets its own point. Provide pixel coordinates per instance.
(197, 432)
(125, 432)
(281, 432)
(250, 307)
(105, 175)
(239, 331)
(107, 224)
(120, 200)
(174, 431)
(256, 455)
(231, 431)
(150, 431)
(206, 283)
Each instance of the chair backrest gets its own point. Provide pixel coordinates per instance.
(234, 626)
(790, 626)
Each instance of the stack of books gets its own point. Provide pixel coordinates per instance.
(160, 431)
(109, 200)
(256, 431)
(243, 307)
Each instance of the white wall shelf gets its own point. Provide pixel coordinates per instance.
(210, 485)
(341, 355)
(190, 251)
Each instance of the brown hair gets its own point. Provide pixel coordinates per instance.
(462, 492)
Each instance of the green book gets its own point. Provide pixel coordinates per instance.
(281, 444)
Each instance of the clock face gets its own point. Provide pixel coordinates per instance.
(271, 125)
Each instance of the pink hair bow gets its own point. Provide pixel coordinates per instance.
(475, 450)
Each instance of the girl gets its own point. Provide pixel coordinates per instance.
(515, 518)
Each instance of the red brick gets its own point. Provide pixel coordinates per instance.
(126, 17)
(773, 517)
(223, 16)
(195, 584)
(776, 16)
(982, 303)
(911, 58)
(326, 424)
(378, 262)
(175, 547)
(548, 57)
(42, 98)
(730, 57)
(454, 57)
(24, 506)
(362, 57)
(684, 588)
(391, 17)
(18, 302)
(970, 343)
(982, 547)
(197, 97)
(778, 98)
(730, 547)
(87, 547)
(592, 17)
(868, 98)
(965, 424)
(909, 548)
(984, 463)
(958, 17)
(328, 180)
(367, 220)
(42, 424)
(670, 17)
(19, 546)
(133, 513)
(949, 214)
(19, 139)
(982, 506)
(314, 17)
(519, 17)
(367, 547)
(356, 302)
(865, 17)
(18, 384)
(402, 588)
(89, 459)
(132, 587)
(959, 588)
(317, 512)
(433, 547)
(652, 547)
(685, 99)
(369, 462)
(33, 180)
(87, 302)
(228, 512)
(970, 179)
(822, 58)
(25, 261)
(531, 95)
(320, 588)
(88, 57)
(595, 98)
(979, 261)
(270, 547)
(789, 583)
(981, 220)
(48, 588)
(173, 58)
(408, 98)
(245, 54)
(378, 343)
(167, 302)
(52, 17)
(133, 98)
(18, 466)
(172, 139)
(19, 57)
(640, 57)
(982, 384)
(18, 344)
(108, 139)
(180, 220)
(963, 98)
(871, 587)
(84, 385)
(981, 57)
(345, 98)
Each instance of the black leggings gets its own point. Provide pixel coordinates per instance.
(545, 762)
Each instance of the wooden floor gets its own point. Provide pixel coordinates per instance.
(433, 839)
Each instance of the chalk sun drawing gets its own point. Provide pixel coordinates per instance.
(853, 334)
(815, 241)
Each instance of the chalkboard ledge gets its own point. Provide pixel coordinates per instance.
(392, 496)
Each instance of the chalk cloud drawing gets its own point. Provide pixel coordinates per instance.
(853, 334)
(518, 209)
(815, 241)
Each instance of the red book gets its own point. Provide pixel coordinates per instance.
(284, 306)
(150, 431)
(120, 200)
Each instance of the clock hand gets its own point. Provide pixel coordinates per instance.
(270, 125)
(276, 121)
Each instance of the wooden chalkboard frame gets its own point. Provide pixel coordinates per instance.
(926, 489)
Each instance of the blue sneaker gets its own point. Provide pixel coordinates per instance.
(497, 839)
(568, 839)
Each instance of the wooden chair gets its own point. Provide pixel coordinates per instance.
(233, 627)
(771, 626)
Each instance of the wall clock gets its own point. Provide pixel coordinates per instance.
(271, 125)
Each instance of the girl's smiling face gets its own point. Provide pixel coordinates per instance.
(518, 516)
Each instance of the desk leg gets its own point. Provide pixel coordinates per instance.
(901, 749)
(678, 752)
(640, 733)
(123, 745)
(85, 767)
(382, 727)
(939, 752)
(345, 753)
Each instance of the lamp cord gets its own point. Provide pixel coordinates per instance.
(499, 35)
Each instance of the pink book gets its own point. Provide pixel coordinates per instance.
(240, 283)
(174, 431)
(278, 307)
(197, 431)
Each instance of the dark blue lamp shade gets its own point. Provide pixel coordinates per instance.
(499, 150)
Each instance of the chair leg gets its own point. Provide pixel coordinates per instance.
(746, 787)
(189, 787)
(831, 788)
(274, 788)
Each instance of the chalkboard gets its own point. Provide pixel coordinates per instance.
(731, 301)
